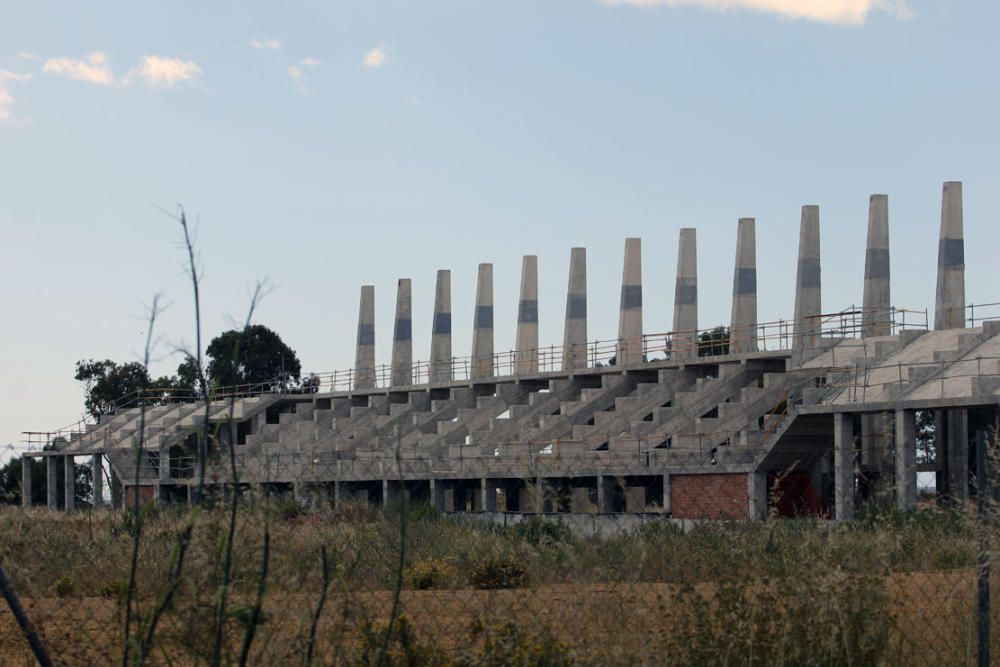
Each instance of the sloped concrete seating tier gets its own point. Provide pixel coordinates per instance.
(811, 415)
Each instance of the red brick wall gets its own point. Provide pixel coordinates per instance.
(145, 495)
(717, 496)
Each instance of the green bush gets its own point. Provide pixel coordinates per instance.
(497, 570)
(428, 573)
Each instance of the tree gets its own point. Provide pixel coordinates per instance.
(107, 383)
(714, 342)
(252, 356)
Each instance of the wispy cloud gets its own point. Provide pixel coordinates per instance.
(164, 72)
(95, 69)
(375, 58)
(6, 97)
(299, 76)
(27, 55)
(266, 43)
(7, 75)
(847, 12)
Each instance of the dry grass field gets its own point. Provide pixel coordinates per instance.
(888, 589)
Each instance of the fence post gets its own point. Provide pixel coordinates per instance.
(983, 565)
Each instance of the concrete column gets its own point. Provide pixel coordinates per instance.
(540, 495)
(906, 459)
(808, 300)
(482, 326)
(603, 504)
(402, 337)
(876, 316)
(69, 483)
(743, 330)
(757, 495)
(98, 480)
(579, 500)
(437, 495)
(635, 499)
(526, 356)
(364, 366)
(117, 501)
(685, 336)
(667, 498)
(949, 308)
(26, 469)
(575, 334)
(843, 466)
(956, 439)
(488, 497)
(630, 311)
(52, 482)
(440, 368)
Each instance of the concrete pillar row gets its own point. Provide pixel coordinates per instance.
(27, 466)
(482, 326)
(575, 333)
(440, 367)
(949, 307)
(906, 459)
(526, 357)
(685, 337)
(364, 365)
(843, 466)
(808, 292)
(630, 311)
(98, 479)
(52, 482)
(743, 329)
(876, 315)
(69, 483)
(402, 336)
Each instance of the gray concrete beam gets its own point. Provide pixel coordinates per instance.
(843, 466)
(440, 366)
(482, 326)
(808, 293)
(876, 316)
(526, 356)
(906, 460)
(52, 482)
(575, 332)
(402, 336)
(949, 307)
(743, 328)
(685, 338)
(630, 311)
(27, 466)
(364, 365)
(98, 479)
(69, 483)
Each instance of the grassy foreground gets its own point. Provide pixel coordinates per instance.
(887, 589)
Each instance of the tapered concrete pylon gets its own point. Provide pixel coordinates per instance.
(575, 333)
(364, 360)
(526, 356)
(630, 311)
(743, 329)
(685, 337)
(440, 367)
(876, 315)
(808, 294)
(402, 336)
(482, 326)
(949, 308)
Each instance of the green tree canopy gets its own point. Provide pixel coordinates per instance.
(107, 383)
(251, 356)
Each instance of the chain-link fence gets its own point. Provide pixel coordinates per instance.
(532, 570)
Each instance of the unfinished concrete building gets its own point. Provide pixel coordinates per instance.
(813, 415)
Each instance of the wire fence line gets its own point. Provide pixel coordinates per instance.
(537, 571)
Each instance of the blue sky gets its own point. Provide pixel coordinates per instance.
(324, 145)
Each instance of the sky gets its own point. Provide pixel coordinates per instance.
(326, 145)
